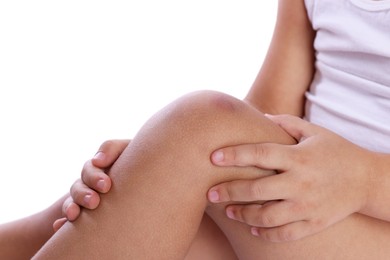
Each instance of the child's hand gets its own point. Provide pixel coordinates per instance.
(320, 181)
(85, 191)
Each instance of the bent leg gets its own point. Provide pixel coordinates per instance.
(159, 193)
(210, 243)
(160, 182)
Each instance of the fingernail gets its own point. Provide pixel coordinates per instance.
(230, 213)
(255, 231)
(101, 185)
(87, 198)
(214, 196)
(99, 156)
(218, 156)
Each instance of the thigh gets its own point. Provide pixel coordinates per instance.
(210, 243)
(159, 191)
(160, 182)
(356, 237)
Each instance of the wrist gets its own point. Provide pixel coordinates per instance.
(377, 197)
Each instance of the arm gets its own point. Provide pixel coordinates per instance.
(21, 239)
(377, 204)
(289, 65)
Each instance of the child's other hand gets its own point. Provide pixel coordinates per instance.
(94, 180)
(321, 180)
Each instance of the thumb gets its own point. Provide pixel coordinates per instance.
(109, 152)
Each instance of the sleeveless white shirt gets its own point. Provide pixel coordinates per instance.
(350, 92)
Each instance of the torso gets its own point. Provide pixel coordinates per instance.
(350, 93)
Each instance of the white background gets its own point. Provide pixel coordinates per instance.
(75, 73)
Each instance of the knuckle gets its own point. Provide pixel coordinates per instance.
(299, 156)
(89, 175)
(245, 214)
(66, 204)
(240, 214)
(266, 220)
(234, 155)
(308, 206)
(285, 235)
(77, 194)
(74, 186)
(298, 208)
(85, 170)
(306, 185)
(279, 235)
(229, 194)
(261, 152)
(267, 235)
(106, 144)
(318, 223)
(255, 191)
(231, 154)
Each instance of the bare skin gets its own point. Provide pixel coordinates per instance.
(310, 192)
(279, 74)
(208, 243)
(160, 214)
(279, 88)
(21, 239)
(156, 168)
(159, 200)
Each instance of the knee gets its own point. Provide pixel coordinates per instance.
(211, 120)
(188, 130)
(198, 119)
(212, 102)
(204, 110)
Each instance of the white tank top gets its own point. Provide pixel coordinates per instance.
(350, 92)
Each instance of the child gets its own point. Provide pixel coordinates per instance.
(328, 183)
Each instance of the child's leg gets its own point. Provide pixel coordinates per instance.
(210, 243)
(159, 194)
(160, 182)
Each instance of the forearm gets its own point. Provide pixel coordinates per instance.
(377, 204)
(22, 238)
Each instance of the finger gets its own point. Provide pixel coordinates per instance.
(109, 152)
(70, 209)
(95, 178)
(265, 155)
(58, 224)
(84, 196)
(277, 213)
(286, 233)
(295, 126)
(275, 187)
